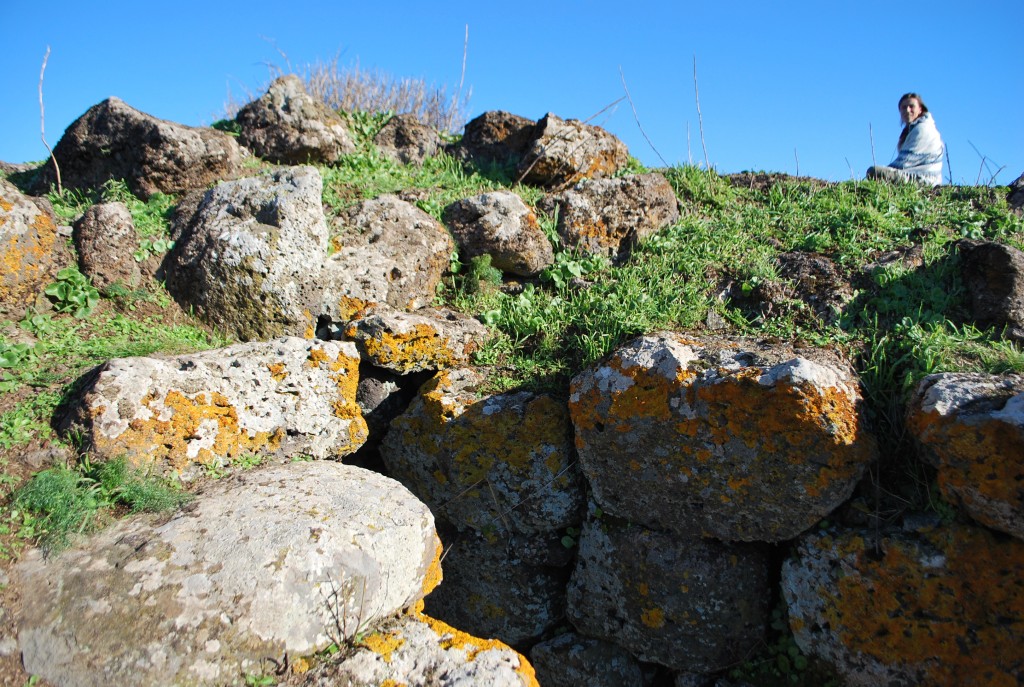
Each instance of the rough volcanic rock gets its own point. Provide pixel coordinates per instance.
(734, 440)
(289, 126)
(564, 151)
(272, 562)
(490, 591)
(501, 225)
(944, 607)
(500, 463)
(115, 141)
(249, 259)
(282, 398)
(106, 241)
(570, 660)
(406, 140)
(609, 216)
(691, 604)
(994, 277)
(30, 254)
(971, 428)
(495, 137)
(386, 251)
(1015, 197)
(428, 339)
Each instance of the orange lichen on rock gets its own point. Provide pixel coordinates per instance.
(451, 638)
(350, 307)
(434, 575)
(383, 644)
(26, 259)
(278, 371)
(420, 347)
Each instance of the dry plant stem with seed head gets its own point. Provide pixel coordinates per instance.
(637, 117)
(42, 121)
(700, 119)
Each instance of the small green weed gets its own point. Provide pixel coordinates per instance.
(781, 663)
(149, 247)
(73, 293)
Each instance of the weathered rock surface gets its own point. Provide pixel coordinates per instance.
(570, 660)
(690, 604)
(733, 440)
(281, 398)
(943, 608)
(501, 225)
(288, 126)
(428, 339)
(490, 591)
(406, 140)
(29, 250)
(495, 137)
(609, 216)
(994, 278)
(106, 240)
(1015, 197)
(113, 140)
(419, 650)
(386, 251)
(277, 561)
(500, 463)
(971, 428)
(564, 151)
(249, 259)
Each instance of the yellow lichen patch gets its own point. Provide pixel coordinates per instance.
(433, 576)
(310, 331)
(300, 666)
(959, 622)
(25, 260)
(350, 308)
(450, 638)
(653, 618)
(383, 643)
(278, 371)
(421, 347)
(388, 682)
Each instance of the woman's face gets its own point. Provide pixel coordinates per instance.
(910, 110)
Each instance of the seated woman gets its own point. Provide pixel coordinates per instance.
(920, 149)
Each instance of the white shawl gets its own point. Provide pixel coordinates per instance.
(920, 155)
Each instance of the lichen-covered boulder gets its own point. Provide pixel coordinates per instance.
(106, 241)
(288, 126)
(571, 659)
(734, 440)
(490, 591)
(609, 216)
(943, 607)
(285, 398)
(495, 137)
(406, 140)
(564, 151)
(271, 563)
(428, 339)
(971, 428)
(29, 257)
(994, 278)
(248, 258)
(691, 604)
(113, 140)
(501, 225)
(385, 251)
(496, 463)
(419, 650)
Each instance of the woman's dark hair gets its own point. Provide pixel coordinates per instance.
(906, 129)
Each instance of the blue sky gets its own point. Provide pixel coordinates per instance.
(781, 84)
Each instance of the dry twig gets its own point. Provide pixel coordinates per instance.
(700, 119)
(42, 121)
(637, 118)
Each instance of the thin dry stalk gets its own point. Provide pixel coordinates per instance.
(853, 177)
(871, 136)
(700, 118)
(637, 117)
(797, 161)
(462, 80)
(689, 153)
(42, 121)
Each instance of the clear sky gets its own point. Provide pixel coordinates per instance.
(781, 84)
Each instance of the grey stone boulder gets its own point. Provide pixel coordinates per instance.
(106, 241)
(1015, 196)
(419, 650)
(248, 259)
(690, 604)
(993, 275)
(564, 151)
(608, 216)
(735, 440)
(386, 250)
(501, 225)
(495, 138)
(406, 140)
(571, 659)
(113, 140)
(940, 607)
(31, 252)
(496, 463)
(970, 427)
(287, 125)
(272, 562)
(279, 399)
(429, 339)
(490, 591)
